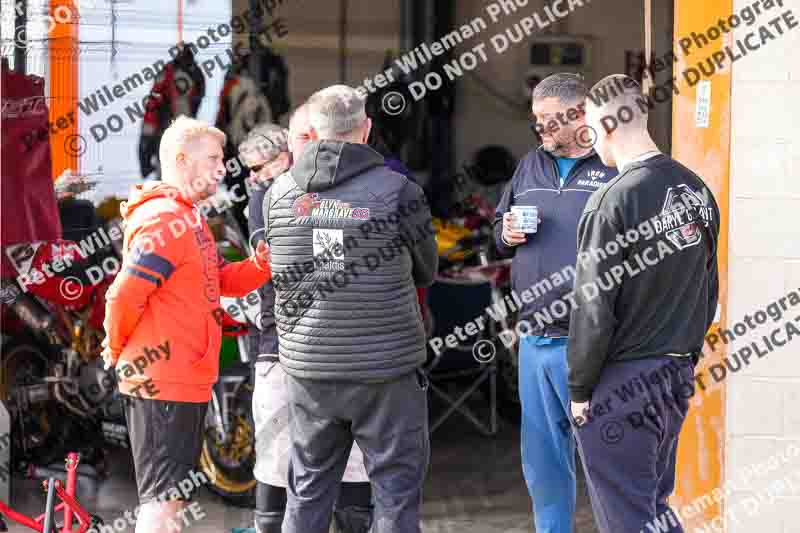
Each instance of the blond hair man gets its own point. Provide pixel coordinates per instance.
(163, 320)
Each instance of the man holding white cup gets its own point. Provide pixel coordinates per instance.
(536, 221)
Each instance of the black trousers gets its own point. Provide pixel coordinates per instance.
(629, 441)
(390, 423)
(166, 438)
(271, 499)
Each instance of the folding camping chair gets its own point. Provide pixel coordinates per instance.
(455, 301)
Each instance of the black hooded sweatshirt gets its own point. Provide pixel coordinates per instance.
(657, 294)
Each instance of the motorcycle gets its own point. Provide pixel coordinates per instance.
(59, 396)
(58, 393)
(229, 453)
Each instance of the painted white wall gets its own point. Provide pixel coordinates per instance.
(35, 32)
(145, 31)
(763, 401)
(481, 119)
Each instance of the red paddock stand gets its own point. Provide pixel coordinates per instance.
(46, 523)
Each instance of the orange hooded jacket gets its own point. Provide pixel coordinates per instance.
(163, 318)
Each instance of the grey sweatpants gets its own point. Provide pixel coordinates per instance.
(389, 421)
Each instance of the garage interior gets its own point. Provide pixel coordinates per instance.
(475, 480)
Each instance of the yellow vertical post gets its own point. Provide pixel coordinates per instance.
(705, 148)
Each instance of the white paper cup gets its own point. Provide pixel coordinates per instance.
(526, 218)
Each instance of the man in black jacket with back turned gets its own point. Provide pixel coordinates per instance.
(645, 293)
(350, 240)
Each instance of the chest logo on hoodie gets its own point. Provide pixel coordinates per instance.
(208, 254)
(594, 177)
(311, 205)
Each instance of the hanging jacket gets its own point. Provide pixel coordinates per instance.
(241, 107)
(178, 90)
(29, 210)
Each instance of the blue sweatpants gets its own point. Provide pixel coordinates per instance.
(548, 448)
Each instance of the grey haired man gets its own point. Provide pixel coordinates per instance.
(351, 240)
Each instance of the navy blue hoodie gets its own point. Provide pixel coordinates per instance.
(543, 268)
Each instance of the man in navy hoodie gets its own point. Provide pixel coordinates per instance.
(557, 177)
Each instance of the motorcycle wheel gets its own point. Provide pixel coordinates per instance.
(25, 363)
(229, 467)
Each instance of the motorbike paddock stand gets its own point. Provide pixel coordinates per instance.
(45, 523)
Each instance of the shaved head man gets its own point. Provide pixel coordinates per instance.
(619, 140)
(638, 326)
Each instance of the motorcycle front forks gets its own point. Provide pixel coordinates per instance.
(223, 394)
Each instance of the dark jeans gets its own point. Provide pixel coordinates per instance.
(628, 448)
(389, 421)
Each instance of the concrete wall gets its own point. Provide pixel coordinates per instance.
(481, 119)
(374, 27)
(764, 257)
(312, 45)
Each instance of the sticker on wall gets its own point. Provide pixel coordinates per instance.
(702, 111)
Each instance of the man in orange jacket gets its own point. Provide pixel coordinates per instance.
(163, 319)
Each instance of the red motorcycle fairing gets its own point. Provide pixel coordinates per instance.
(55, 271)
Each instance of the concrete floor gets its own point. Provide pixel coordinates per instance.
(474, 484)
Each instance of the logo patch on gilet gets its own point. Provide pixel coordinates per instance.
(311, 205)
(328, 249)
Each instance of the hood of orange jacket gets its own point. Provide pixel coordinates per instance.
(147, 191)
